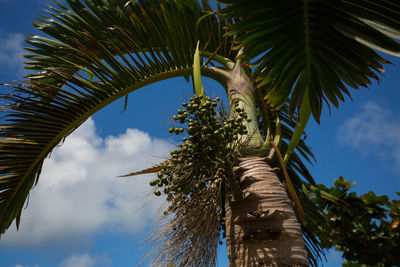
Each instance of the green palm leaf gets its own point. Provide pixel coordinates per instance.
(94, 53)
(319, 46)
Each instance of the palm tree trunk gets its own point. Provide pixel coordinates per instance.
(262, 229)
(261, 226)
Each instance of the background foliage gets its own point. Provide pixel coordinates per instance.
(365, 229)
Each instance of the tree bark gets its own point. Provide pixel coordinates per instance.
(261, 226)
(262, 229)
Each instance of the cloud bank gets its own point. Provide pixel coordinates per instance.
(78, 193)
(375, 129)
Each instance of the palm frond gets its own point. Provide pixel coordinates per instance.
(94, 53)
(314, 45)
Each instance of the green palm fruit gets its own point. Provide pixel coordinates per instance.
(191, 131)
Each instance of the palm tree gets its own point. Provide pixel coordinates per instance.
(304, 52)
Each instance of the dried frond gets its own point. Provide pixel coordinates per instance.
(191, 236)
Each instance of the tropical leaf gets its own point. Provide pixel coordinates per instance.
(304, 116)
(93, 53)
(319, 46)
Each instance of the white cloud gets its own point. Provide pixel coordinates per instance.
(374, 129)
(11, 51)
(84, 260)
(78, 192)
(19, 265)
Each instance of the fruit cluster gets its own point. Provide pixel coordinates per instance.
(209, 146)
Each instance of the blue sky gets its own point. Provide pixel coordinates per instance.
(81, 215)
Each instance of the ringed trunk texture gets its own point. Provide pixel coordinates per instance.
(262, 229)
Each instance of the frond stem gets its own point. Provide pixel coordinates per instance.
(226, 62)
